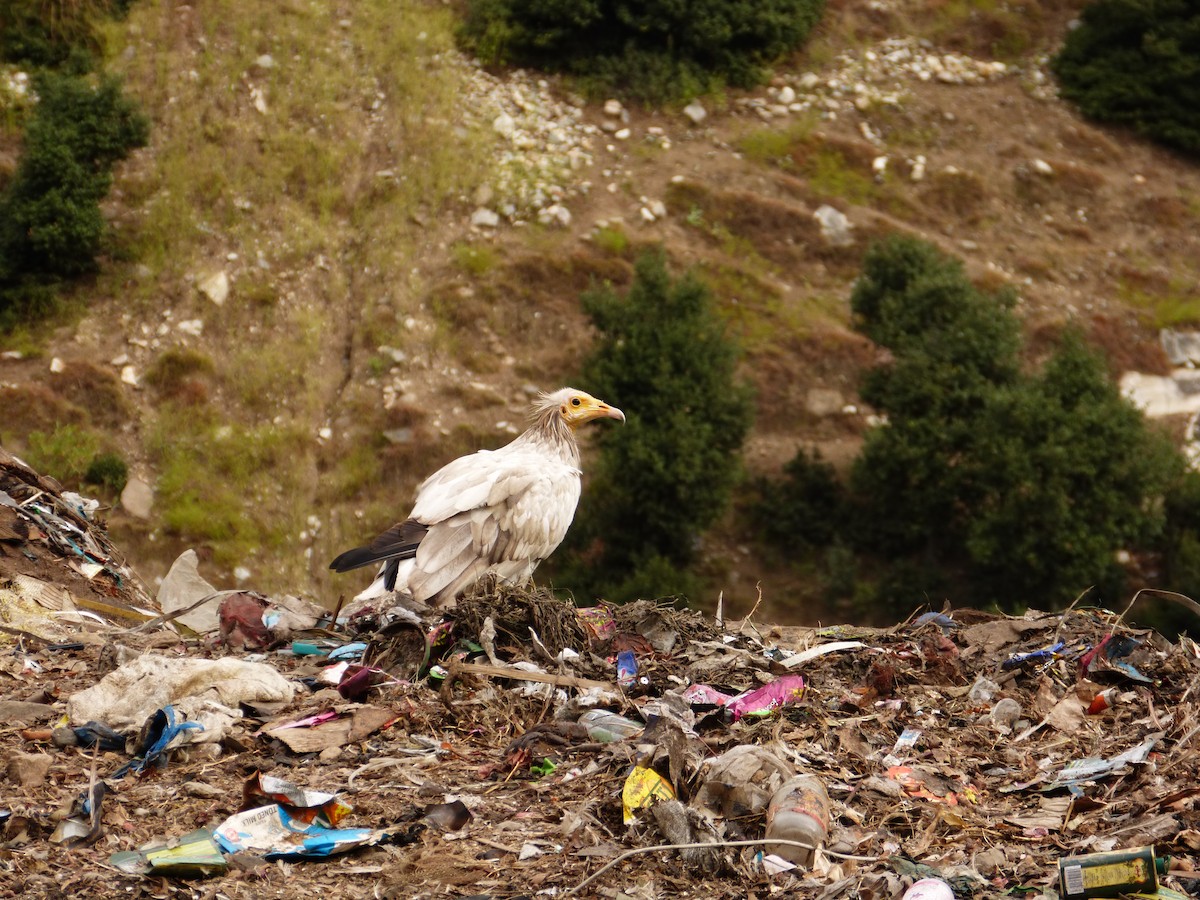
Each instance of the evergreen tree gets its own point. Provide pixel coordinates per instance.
(806, 508)
(1016, 488)
(1137, 63)
(952, 346)
(50, 221)
(666, 475)
(78, 133)
(1066, 473)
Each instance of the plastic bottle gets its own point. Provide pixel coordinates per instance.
(606, 727)
(740, 782)
(798, 811)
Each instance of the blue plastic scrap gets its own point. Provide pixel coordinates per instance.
(348, 651)
(941, 620)
(156, 736)
(97, 734)
(1117, 647)
(1046, 654)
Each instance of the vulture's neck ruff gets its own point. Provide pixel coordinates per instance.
(549, 433)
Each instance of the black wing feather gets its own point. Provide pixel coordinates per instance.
(398, 542)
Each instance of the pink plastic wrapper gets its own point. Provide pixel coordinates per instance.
(764, 700)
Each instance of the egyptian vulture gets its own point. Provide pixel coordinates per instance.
(494, 512)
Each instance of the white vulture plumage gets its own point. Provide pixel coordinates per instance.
(494, 512)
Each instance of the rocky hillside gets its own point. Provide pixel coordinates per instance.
(349, 254)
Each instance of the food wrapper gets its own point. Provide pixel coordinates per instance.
(271, 833)
(762, 701)
(643, 788)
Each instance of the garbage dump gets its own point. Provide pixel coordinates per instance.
(518, 745)
(58, 570)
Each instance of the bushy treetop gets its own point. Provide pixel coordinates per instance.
(1019, 487)
(1137, 63)
(50, 221)
(654, 50)
(664, 477)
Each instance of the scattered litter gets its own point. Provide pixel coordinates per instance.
(183, 588)
(82, 823)
(626, 670)
(284, 831)
(249, 620)
(763, 701)
(1046, 654)
(58, 561)
(333, 730)
(162, 732)
(807, 656)
(271, 833)
(1093, 768)
(605, 726)
(301, 804)
(741, 781)
(958, 751)
(929, 889)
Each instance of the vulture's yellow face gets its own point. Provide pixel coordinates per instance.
(577, 407)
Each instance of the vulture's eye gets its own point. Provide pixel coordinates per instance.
(575, 401)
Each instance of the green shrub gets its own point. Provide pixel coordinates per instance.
(473, 259)
(1066, 473)
(175, 367)
(653, 578)
(1137, 63)
(1024, 485)
(656, 50)
(1180, 555)
(1010, 488)
(806, 508)
(59, 36)
(666, 475)
(51, 227)
(611, 239)
(952, 346)
(109, 471)
(917, 302)
(50, 220)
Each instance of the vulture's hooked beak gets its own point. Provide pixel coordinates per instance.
(612, 412)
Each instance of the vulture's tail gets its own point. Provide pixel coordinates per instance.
(398, 542)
